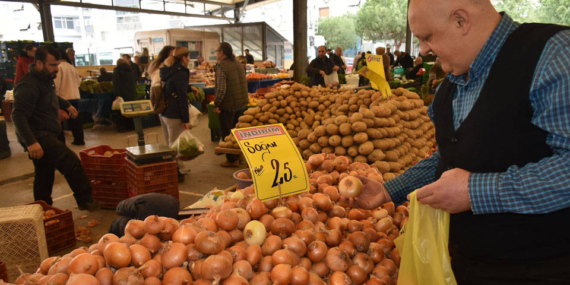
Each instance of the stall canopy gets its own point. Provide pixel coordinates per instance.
(262, 41)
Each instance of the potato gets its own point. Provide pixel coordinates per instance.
(335, 140)
(302, 134)
(309, 119)
(323, 141)
(374, 133)
(320, 131)
(332, 129)
(313, 104)
(366, 148)
(315, 148)
(339, 120)
(376, 155)
(246, 118)
(361, 158)
(312, 137)
(352, 151)
(340, 151)
(356, 117)
(347, 141)
(358, 127)
(304, 144)
(392, 155)
(382, 166)
(388, 176)
(307, 153)
(367, 113)
(328, 150)
(360, 138)
(394, 166)
(345, 129)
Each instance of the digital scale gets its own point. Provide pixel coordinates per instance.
(144, 153)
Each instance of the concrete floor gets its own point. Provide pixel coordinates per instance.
(16, 175)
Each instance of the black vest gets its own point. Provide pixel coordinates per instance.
(496, 135)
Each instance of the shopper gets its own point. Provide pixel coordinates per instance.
(414, 73)
(175, 117)
(3, 87)
(231, 94)
(405, 60)
(124, 86)
(67, 83)
(385, 61)
(135, 67)
(199, 62)
(144, 57)
(356, 59)
(320, 67)
(154, 71)
(249, 57)
(104, 76)
(23, 63)
(36, 119)
(390, 55)
(337, 60)
(503, 139)
(71, 55)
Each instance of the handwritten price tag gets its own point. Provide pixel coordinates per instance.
(274, 160)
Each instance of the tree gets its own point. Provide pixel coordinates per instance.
(555, 12)
(383, 20)
(338, 31)
(524, 11)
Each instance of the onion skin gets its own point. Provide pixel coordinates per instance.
(177, 276)
(266, 264)
(47, 263)
(350, 187)
(321, 269)
(314, 279)
(227, 220)
(135, 228)
(254, 233)
(216, 267)
(153, 225)
(185, 234)
(174, 255)
(295, 245)
(316, 251)
(238, 253)
(271, 245)
(339, 278)
(243, 269)
(337, 260)
(152, 281)
(253, 254)
(139, 255)
(61, 279)
(105, 276)
(105, 240)
(256, 209)
(282, 227)
(267, 220)
(299, 276)
(152, 268)
(209, 243)
(151, 242)
(83, 263)
(117, 255)
(281, 274)
(60, 266)
(261, 278)
(234, 280)
(82, 279)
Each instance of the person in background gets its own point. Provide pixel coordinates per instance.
(390, 54)
(436, 75)
(71, 55)
(135, 67)
(337, 60)
(3, 87)
(199, 61)
(67, 83)
(501, 120)
(405, 60)
(413, 74)
(242, 60)
(362, 81)
(343, 59)
(356, 59)
(249, 57)
(124, 86)
(231, 94)
(23, 63)
(319, 67)
(329, 53)
(175, 118)
(104, 76)
(36, 120)
(385, 61)
(154, 69)
(144, 57)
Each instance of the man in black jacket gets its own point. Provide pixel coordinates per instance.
(36, 119)
(337, 60)
(405, 60)
(319, 67)
(248, 57)
(413, 74)
(135, 67)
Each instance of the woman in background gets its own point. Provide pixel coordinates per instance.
(67, 84)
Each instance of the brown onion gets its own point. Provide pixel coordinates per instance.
(208, 243)
(260, 278)
(82, 279)
(117, 255)
(386, 244)
(243, 268)
(243, 216)
(332, 192)
(177, 276)
(310, 214)
(305, 225)
(348, 247)
(256, 209)
(83, 263)
(339, 278)
(337, 260)
(208, 224)
(266, 264)
(193, 253)
(295, 245)
(383, 225)
(376, 252)
(316, 251)
(216, 267)
(236, 235)
(267, 220)
(305, 263)
(135, 228)
(105, 276)
(227, 220)
(59, 279)
(281, 274)
(105, 240)
(299, 276)
(350, 186)
(185, 234)
(47, 263)
(390, 265)
(174, 255)
(285, 256)
(296, 218)
(360, 241)
(195, 268)
(321, 269)
(170, 226)
(323, 201)
(253, 254)
(306, 202)
(139, 255)
(151, 268)
(395, 256)
(128, 276)
(60, 266)
(153, 281)
(356, 274)
(153, 225)
(151, 242)
(238, 253)
(307, 236)
(226, 237)
(281, 212)
(235, 279)
(282, 227)
(270, 204)
(333, 237)
(337, 211)
(354, 226)
(363, 260)
(314, 279)
(228, 205)
(335, 223)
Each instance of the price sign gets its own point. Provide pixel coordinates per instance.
(374, 70)
(274, 161)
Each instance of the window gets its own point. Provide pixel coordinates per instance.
(64, 23)
(324, 12)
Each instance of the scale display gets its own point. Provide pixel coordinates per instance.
(137, 108)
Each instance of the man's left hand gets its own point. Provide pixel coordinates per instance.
(217, 110)
(344, 67)
(335, 68)
(72, 112)
(450, 193)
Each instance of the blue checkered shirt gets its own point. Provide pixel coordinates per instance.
(536, 188)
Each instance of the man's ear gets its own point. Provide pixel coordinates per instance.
(40, 64)
(461, 20)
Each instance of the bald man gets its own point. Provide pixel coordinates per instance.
(502, 121)
(320, 67)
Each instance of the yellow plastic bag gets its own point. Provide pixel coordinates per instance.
(423, 246)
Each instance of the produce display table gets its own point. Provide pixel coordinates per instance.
(267, 70)
(252, 86)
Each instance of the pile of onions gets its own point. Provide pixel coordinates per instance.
(311, 238)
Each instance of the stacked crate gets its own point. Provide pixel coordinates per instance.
(59, 229)
(106, 174)
(22, 239)
(161, 177)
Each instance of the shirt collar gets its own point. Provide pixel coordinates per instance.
(487, 56)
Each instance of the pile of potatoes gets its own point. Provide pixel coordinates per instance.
(392, 133)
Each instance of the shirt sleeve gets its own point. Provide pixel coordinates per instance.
(540, 187)
(221, 85)
(25, 98)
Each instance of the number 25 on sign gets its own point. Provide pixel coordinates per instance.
(274, 161)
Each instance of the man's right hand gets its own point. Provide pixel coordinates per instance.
(373, 195)
(323, 74)
(35, 151)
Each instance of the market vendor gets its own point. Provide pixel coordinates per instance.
(320, 67)
(503, 135)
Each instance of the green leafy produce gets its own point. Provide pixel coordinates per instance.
(201, 96)
(90, 86)
(106, 86)
(187, 147)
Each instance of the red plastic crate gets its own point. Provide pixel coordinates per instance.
(3, 272)
(154, 174)
(59, 229)
(109, 193)
(99, 167)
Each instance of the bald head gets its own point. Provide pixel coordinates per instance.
(447, 26)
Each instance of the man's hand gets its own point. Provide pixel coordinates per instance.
(185, 126)
(335, 68)
(373, 195)
(217, 110)
(323, 74)
(35, 151)
(344, 67)
(450, 193)
(72, 112)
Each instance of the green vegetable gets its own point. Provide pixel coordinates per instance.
(187, 147)
(201, 96)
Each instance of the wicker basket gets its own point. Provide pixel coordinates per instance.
(60, 230)
(22, 239)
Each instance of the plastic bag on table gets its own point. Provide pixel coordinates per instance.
(423, 246)
(194, 113)
(331, 79)
(187, 146)
(117, 103)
